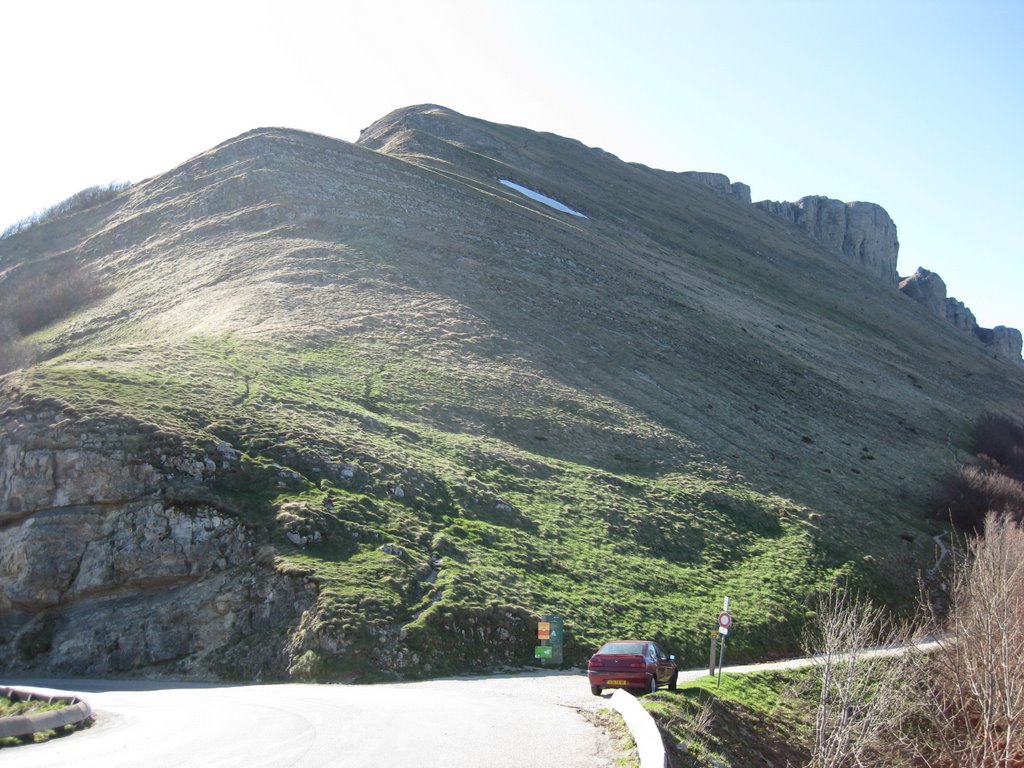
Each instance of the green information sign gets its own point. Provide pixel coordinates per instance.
(551, 633)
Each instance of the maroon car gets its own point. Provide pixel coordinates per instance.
(631, 664)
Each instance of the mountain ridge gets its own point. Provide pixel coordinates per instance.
(434, 409)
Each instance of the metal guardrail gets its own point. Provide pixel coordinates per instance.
(76, 711)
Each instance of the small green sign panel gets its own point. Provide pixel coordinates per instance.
(551, 633)
(543, 652)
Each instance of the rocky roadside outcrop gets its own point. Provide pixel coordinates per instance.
(861, 234)
(106, 568)
(929, 290)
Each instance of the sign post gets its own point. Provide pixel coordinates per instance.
(724, 622)
(551, 634)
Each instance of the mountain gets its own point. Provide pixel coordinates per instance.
(301, 407)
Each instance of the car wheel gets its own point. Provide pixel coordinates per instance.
(596, 690)
(653, 687)
(672, 682)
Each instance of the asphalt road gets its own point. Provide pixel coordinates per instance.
(529, 719)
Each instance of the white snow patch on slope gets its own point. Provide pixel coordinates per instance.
(548, 201)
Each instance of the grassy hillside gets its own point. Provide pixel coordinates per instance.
(620, 418)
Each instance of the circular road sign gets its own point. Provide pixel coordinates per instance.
(724, 619)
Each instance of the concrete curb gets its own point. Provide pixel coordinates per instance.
(24, 725)
(642, 727)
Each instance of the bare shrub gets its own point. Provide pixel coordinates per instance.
(1001, 440)
(79, 201)
(15, 354)
(971, 702)
(994, 484)
(862, 698)
(975, 491)
(34, 301)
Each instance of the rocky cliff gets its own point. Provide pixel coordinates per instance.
(109, 564)
(862, 234)
(721, 184)
(928, 289)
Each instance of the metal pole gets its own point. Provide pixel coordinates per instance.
(721, 661)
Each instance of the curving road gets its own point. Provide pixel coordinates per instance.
(529, 719)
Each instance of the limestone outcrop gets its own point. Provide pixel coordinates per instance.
(959, 315)
(928, 289)
(721, 184)
(1005, 343)
(107, 567)
(861, 234)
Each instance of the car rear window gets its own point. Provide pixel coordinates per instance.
(623, 648)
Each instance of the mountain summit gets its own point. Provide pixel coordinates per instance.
(303, 407)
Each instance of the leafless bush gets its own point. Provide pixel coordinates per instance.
(862, 699)
(34, 301)
(974, 492)
(994, 484)
(79, 201)
(1001, 440)
(15, 354)
(971, 697)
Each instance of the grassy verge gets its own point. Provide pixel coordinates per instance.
(760, 719)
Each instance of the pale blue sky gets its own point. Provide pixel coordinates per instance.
(916, 106)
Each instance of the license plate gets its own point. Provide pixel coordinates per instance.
(616, 682)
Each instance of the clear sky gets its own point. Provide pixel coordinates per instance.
(917, 105)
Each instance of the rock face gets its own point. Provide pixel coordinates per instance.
(1005, 343)
(721, 184)
(102, 572)
(862, 234)
(959, 315)
(928, 289)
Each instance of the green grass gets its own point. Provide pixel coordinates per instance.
(759, 719)
(11, 707)
(520, 532)
(15, 707)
